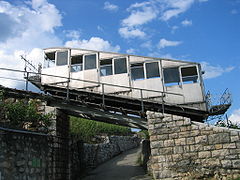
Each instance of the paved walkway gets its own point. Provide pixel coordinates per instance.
(122, 167)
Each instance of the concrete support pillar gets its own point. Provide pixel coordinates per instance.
(59, 143)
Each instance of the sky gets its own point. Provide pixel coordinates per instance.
(204, 31)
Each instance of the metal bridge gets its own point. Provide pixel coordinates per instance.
(108, 107)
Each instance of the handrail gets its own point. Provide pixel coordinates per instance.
(93, 82)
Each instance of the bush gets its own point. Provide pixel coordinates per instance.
(87, 129)
(25, 115)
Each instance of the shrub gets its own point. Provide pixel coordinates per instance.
(87, 129)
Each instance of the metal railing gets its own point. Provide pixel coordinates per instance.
(102, 87)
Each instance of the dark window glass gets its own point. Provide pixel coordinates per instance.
(137, 71)
(49, 59)
(77, 59)
(120, 66)
(189, 74)
(152, 70)
(90, 62)
(106, 67)
(62, 58)
(171, 75)
(50, 56)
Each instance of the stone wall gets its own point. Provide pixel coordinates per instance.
(184, 149)
(95, 154)
(23, 156)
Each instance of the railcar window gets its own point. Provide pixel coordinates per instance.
(152, 70)
(49, 59)
(137, 71)
(76, 63)
(90, 62)
(189, 74)
(106, 67)
(171, 76)
(62, 58)
(120, 66)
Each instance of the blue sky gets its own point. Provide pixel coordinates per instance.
(204, 31)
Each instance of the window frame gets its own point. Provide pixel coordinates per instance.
(145, 69)
(77, 64)
(189, 82)
(84, 61)
(113, 65)
(144, 74)
(105, 66)
(172, 83)
(67, 57)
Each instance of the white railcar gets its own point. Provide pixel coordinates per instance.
(172, 81)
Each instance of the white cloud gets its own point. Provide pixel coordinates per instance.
(130, 51)
(166, 43)
(127, 32)
(30, 26)
(110, 7)
(235, 117)
(214, 71)
(147, 11)
(94, 43)
(141, 16)
(186, 22)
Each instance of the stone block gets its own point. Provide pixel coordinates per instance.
(220, 153)
(234, 138)
(218, 146)
(163, 137)
(219, 138)
(211, 163)
(156, 144)
(165, 151)
(178, 150)
(177, 157)
(226, 163)
(179, 122)
(229, 146)
(195, 133)
(204, 154)
(190, 140)
(196, 148)
(180, 141)
(168, 143)
(236, 163)
(201, 139)
(184, 134)
(161, 158)
(233, 133)
(173, 136)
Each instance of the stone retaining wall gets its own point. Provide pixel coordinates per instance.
(95, 154)
(23, 156)
(184, 149)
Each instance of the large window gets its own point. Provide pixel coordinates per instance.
(137, 71)
(90, 62)
(76, 63)
(106, 67)
(120, 66)
(189, 74)
(152, 70)
(171, 76)
(62, 58)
